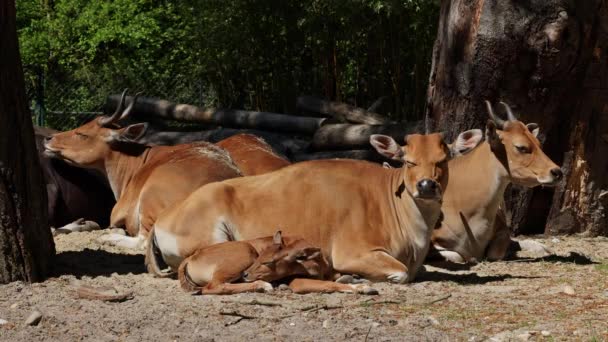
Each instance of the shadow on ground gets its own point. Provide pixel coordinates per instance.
(572, 258)
(97, 263)
(467, 278)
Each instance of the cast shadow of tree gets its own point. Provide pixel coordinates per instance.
(95, 263)
(467, 278)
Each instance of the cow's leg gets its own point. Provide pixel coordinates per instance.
(373, 265)
(500, 242)
(130, 242)
(79, 225)
(227, 289)
(531, 246)
(301, 286)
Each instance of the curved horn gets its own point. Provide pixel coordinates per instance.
(129, 109)
(499, 122)
(509, 112)
(104, 121)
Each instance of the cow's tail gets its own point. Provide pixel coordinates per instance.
(185, 281)
(154, 259)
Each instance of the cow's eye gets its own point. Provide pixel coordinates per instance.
(410, 163)
(522, 149)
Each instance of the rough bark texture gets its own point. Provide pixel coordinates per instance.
(226, 117)
(26, 244)
(549, 60)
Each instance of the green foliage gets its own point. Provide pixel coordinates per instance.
(253, 54)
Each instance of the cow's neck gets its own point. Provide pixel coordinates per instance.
(120, 168)
(415, 220)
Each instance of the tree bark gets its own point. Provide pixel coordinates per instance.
(348, 137)
(226, 117)
(341, 111)
(549, 60)
(26, 244)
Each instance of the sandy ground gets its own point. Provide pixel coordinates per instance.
(561, 297)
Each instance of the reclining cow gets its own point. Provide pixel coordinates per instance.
(367, 220)
(472, 228)
(213, 269)
(146, 180)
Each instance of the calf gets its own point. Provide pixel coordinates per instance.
(145, 180)
(472, 228)
(368, 220)
(212, 269)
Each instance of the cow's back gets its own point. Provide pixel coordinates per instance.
(252, 155)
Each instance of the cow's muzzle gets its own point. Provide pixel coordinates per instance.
(428, 189)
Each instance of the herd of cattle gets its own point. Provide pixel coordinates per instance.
(234, 216)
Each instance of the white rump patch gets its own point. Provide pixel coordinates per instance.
(224, 231)
(167, 244)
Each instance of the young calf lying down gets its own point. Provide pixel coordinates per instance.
(211, 270)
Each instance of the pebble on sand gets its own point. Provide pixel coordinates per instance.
(34, 318)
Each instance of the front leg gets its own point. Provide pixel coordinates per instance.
(375, 265)
(227, 288)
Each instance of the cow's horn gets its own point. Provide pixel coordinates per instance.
(509, 112)
(104, 121)
(499, 122)
(129, 109)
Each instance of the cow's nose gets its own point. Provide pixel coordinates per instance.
(557, 173)
(427, 187)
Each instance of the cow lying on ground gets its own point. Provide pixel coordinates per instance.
(367, 220)
(77, 198)
(471, 229)
(213, 269)
(146, 180)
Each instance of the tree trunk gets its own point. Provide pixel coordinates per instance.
(225, 117)
(26, 244)
(549, 60)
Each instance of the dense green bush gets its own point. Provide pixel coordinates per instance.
(251, 54)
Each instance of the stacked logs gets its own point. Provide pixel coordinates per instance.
(320, 130)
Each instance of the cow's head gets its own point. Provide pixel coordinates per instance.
(280, 260)
(89, 144)
(425, 159)
(526, 162)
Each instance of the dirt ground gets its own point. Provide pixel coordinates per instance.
(560, 297)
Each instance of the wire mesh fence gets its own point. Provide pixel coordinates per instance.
(65, 105)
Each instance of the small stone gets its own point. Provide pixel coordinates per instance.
(292, 324)
(555, 240)
(569, 290)
(283, 287)
(375, 324)
(545, 333)
(3, 321)
(326, 324)
(524, 337)
(34, 318)
(433, 320)
(392, 322)
(14, 305)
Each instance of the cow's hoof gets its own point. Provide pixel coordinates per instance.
(350, 279)
(397, 277)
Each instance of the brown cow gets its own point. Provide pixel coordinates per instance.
(368, 220)
(471, 228)
(212, 269)
(146, 180)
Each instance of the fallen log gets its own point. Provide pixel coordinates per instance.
(379, 103)
(146, 106)
(341, 111)
(286, 145)
(348, 137)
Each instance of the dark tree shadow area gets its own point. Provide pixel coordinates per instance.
(97, 263)
(572, 258)
(466, 279)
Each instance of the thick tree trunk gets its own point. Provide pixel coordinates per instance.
(549, 60)
(26, 244)
(226, 117)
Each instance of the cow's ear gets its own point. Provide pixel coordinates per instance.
(491, 133)
(130, 133)
(534, 129)
(277, 239)
(387, 146)
(466, 142)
